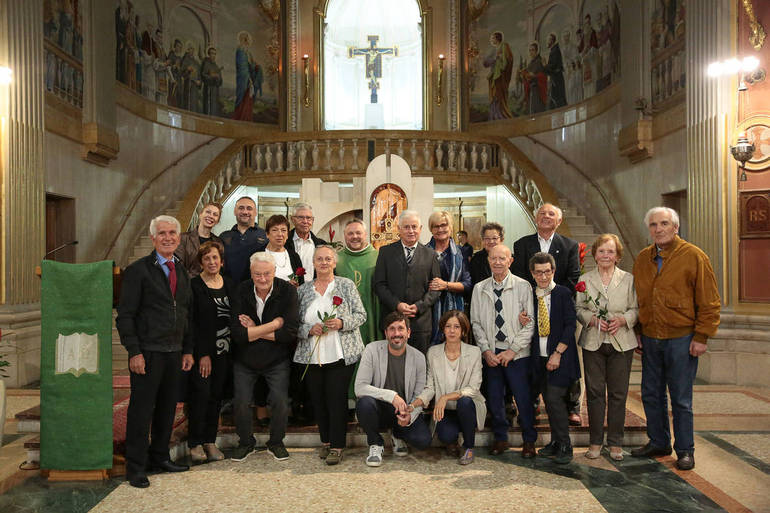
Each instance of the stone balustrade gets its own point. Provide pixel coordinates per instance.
(482, 160)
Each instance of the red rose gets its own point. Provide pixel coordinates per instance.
(300, 271)
(336, 301)
(580, 286)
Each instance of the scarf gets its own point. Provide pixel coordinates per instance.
(448, 300)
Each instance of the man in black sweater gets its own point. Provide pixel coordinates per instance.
(265, 318)
(152, 321)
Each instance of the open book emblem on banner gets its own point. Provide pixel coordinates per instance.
(77, 354)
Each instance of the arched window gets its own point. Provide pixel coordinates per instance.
(373, 62)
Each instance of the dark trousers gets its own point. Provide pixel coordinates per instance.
(153, 402)
(328, 385)
(667, 363)
(606, 374)
(205, 400)
(573, 398)
(556, 399)
(374, 415)
(420, 340)
(244, 378)
(462, 420)
(516, 375)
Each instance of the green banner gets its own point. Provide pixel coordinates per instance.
(76, 366)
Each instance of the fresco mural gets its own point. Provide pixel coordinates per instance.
(63, 47)
(216, 58)
(524, 60)
(667, 64)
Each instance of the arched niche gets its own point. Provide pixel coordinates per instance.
(395, 64)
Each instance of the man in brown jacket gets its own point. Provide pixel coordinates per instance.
(678, 310)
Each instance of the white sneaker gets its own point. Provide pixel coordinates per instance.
(375, 456)
(399, 447)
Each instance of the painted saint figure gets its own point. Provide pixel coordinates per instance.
(191, 83)
(500, 62)
(174, 63)
(557, 94)
(211, 76)
(248, 79)
(535, 81)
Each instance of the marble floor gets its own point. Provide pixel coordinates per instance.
(732, 474)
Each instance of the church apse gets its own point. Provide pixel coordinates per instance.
(220, 59)
(522, 61)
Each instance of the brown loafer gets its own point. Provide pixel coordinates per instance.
(499, 447)
(528, 450)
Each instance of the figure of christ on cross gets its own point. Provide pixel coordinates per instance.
(373, 62)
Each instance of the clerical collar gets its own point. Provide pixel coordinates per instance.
(357, 251)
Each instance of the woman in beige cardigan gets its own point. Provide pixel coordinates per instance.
(607, 309)
(454, 379)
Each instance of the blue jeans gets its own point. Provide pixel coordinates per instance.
(374, 415)
(454, 421)
(517, 375)
(667, 363)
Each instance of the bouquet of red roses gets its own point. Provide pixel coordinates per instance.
(602, 313)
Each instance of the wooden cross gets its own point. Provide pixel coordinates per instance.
(373, 62)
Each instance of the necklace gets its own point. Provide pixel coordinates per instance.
(284, 254)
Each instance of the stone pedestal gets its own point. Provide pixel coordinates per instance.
(739, 354)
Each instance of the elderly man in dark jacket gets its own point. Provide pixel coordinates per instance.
(265, 318)
(152, 321)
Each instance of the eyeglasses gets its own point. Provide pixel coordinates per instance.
(491, 239)
(542, 273)
(304, 218)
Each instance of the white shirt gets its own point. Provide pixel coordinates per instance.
(261, 304)
(282, 264)
(305, 249)
(329, 348)
(545, 244)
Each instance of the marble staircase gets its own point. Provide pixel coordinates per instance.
(580, 229)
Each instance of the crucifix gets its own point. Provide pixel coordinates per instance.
(373, 62)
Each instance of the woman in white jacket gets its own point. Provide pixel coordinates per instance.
(454, 379)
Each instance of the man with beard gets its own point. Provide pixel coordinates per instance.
(390, 376)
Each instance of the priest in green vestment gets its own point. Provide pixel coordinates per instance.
(356, 261)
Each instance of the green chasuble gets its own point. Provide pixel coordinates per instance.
(359, 267)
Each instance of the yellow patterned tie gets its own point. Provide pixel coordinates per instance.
(543, 322)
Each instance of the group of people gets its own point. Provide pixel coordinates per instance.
(461, 335)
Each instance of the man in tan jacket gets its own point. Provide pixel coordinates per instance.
(678, 310)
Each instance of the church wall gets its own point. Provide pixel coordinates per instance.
(631, 189)
(103, 194)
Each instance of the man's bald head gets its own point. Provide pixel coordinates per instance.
(500, 260)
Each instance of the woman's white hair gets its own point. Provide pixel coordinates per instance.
(164, 219)
(661, 210)
(261, 256)
(326, 246)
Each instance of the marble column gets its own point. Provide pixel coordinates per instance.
(709, 114)
(22, 199)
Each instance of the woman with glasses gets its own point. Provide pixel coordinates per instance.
(455, 281)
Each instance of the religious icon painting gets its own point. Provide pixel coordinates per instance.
(386, 203)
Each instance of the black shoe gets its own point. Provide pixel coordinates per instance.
(564, 455)
(278, 451)
(139, 482)
(241, 452)
(549, 450)
(650, 451)
(686, 461)
(168, 466)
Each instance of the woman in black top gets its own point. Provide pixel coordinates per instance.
(212, 294)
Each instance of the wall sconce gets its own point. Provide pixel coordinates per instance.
(6, 75)
(734, 67)
(742, 152)
(306, 71)
(439, 85)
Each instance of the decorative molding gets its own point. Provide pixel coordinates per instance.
(100, 144)
(63, 119)
(454, 65)
(293, 78)
(757, 37)
(755, 127)
(635, 141)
